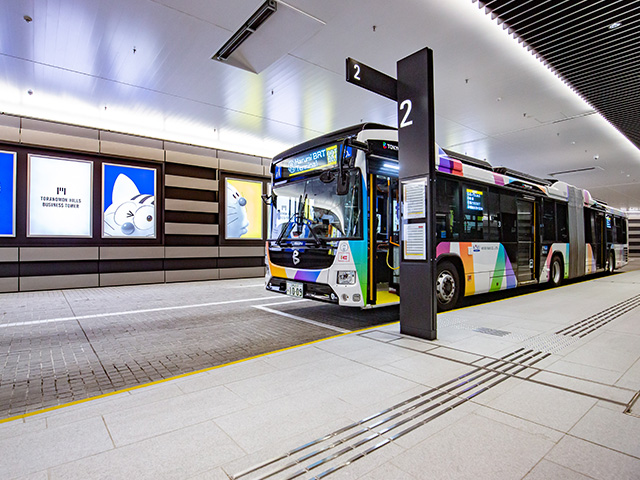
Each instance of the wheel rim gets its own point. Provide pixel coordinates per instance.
(445, 287)
(555, 272)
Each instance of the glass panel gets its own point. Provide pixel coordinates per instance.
(310, 209)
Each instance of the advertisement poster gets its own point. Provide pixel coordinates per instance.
(7, 194)
(128, 201)
(243, 205)
(59, 197)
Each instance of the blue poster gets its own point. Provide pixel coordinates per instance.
(7, 194)
(128, 201)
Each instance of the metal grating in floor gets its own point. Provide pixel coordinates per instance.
(600, 319)
(336, 450)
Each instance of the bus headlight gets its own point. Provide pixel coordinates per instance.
(347, 277)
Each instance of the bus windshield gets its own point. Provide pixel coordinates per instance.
(310, 210)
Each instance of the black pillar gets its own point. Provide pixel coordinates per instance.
(416, 140)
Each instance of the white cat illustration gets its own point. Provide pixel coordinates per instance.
(237, 218)
(130, 214)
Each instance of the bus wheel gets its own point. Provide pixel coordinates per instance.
(611, 264)
(447, 286)
(557, 271)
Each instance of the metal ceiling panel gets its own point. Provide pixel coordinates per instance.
(593, 45)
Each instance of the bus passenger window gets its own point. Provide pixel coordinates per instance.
(474, 211)
(492, 224)
(447, 209)
(589, 226)
(549, 221)
(509, 218)
(621, 230)
(563, 225)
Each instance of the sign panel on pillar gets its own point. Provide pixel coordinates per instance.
(416, 139)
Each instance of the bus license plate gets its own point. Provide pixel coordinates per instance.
(294, 289)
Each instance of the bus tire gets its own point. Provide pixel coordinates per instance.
(556, 271)
(611, 263)
(447, 286)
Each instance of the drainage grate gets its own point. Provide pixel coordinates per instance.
(492, 331)
(334, 451)
(600, 319)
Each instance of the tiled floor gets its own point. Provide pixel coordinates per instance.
(500, 395)
(63, 346)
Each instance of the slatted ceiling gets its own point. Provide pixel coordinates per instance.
(575, 39)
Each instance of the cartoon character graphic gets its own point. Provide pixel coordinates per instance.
(131, 213)
(237, 218)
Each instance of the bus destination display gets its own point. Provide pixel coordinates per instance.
(313, 160)
(474, 200)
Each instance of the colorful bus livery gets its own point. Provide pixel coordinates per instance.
(335, 224)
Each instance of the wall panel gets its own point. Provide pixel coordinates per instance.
(188, 212)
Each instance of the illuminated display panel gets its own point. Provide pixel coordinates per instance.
(243, 209)
(474, 200)
(7, 194)
(128, 202)
(320, 158)
(60, 197)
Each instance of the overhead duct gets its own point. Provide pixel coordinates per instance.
(260, 16)
(255, 50)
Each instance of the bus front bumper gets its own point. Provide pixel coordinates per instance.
(312, 291)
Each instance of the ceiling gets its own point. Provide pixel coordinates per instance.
(144, 67)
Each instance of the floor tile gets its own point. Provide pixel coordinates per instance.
(610, 429)
(177, 455)
(594, 461)
(546, 470)
(281, 418)
(388, 471)
(135, 424)
(587, 372)
(223, 375)
(36, 451)
(475, 447)
(544, 405)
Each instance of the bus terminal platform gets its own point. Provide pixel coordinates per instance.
(259, 386)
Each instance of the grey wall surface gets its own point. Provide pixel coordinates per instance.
(189, 245)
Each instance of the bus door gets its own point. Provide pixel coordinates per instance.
(526, 241)
(384, 255)
(599, 240)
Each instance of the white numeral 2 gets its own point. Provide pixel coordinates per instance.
(405, 120)
(357, 74)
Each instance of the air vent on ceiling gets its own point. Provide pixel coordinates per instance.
(255, 49)
(267, 9)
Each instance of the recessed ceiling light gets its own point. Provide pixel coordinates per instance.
(614, 25)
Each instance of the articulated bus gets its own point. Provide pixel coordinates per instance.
(335, 224)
